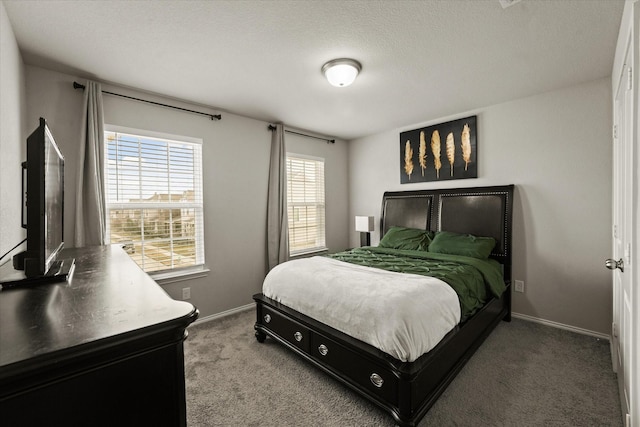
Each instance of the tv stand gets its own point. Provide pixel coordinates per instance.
(105, 349)
(61, 271)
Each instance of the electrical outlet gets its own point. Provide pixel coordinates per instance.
(186, 293)
(519, 286)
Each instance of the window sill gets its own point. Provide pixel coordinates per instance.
(309, 253)
(168, 277)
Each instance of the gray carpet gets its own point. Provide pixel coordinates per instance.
(525, 374)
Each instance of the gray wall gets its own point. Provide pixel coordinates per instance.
(235, 170)
(556, 148)
(12, 147)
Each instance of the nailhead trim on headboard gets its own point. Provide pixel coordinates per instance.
(434, 215)
(505, 243)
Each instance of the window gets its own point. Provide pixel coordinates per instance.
(305, 204)
(154, 198)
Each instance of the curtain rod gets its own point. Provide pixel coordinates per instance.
(332, 141)
(77, 85)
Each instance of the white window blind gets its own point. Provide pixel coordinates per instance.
(305, 202)
(154, 199)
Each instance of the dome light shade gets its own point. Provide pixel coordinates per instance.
(341, 72)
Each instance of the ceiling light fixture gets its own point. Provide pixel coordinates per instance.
(341, 72)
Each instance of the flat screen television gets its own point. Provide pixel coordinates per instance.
(44, 206)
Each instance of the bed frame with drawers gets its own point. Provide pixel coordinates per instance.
(406, 389)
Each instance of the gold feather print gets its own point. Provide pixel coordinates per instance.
(422, 153)
(435, 149)
(408, 159)
(451, 150)
(466, 145)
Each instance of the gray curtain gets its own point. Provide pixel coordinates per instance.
(90, 227)
(277, 222)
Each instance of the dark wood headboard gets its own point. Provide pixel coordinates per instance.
(481, 211)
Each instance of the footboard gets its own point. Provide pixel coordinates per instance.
(405, 390)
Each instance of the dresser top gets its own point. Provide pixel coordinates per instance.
(109, 298)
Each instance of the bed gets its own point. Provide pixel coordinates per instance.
(406, 388)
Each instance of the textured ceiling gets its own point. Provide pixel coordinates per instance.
(421, 59)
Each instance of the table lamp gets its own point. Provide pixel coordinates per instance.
(364, 224)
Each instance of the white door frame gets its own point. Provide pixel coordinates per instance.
(629, 250)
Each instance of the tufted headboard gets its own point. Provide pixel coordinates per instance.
(481, 211)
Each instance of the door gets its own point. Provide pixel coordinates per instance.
(622, 344)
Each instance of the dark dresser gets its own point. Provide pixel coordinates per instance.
(105, 349)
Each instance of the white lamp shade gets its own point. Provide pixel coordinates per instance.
(364, 223)
(341, 72)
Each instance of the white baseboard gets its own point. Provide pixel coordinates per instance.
(513, 314)
(224, 313)
(561, 326)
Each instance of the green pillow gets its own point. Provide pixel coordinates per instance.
(407, 238)
(447, 242)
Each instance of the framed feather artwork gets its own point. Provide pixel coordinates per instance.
(440, 152)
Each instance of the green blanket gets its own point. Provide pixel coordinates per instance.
(472, 279)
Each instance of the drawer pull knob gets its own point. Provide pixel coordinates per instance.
(267, 318)
(323, 349)
(298, 336)
(376, 380)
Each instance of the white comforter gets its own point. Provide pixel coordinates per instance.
(404, 315)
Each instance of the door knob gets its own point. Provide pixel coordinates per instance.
(612, 264)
